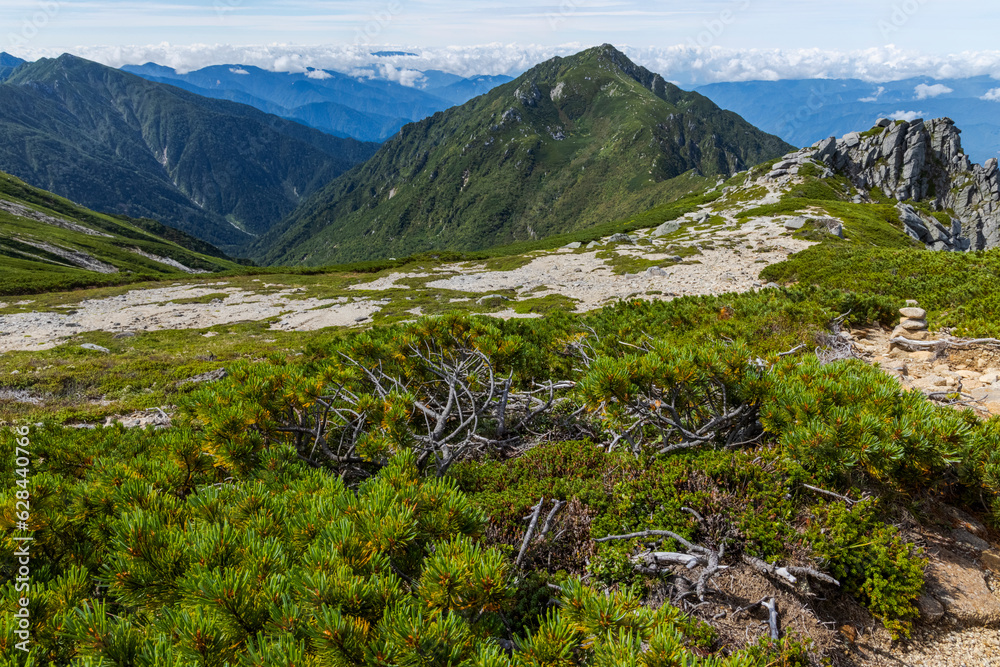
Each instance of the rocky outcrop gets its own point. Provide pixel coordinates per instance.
(931, 231)
(528, 94)
(918, 161)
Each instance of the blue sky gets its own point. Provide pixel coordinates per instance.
(934, 25)
(833, 32)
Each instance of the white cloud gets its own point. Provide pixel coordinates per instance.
(386, 72)
(318, 74)
(992, 95)
(238, 70)
(874, 97)
(923, 91)
(687, 64)
(907, 115)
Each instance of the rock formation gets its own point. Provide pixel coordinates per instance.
(912, 322)
(916, 162)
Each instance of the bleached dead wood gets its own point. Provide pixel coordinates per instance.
(831, 494)
(941, 344)
(788, 573)
(773, 622)
(696, 555)
(530, 532)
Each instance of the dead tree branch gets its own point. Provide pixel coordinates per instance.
(787, 573)
(940, 345)
(453, 401)
(771, 605)
(528, 534)
(772, 618)
(547, 526)
(816, 489)
(697, 555)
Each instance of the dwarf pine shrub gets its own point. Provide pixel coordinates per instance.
(337, 511)
(292, 567)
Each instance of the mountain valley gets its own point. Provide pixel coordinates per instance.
(220, 171)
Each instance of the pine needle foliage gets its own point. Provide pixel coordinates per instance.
(291, 567)
(229, 539)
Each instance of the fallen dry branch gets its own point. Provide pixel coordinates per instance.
(647, 533)
(773, 622)
(529, 534)
(788, 573)
(651, 562)
(772, 618)
(950, 398)
(792, 351)
(940, 345)
(831, 494)
(559, 504)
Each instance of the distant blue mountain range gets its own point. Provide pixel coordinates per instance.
(804, 111)
(368, 107)
(7, 65)
(363, 107)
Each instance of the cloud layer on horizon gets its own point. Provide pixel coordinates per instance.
(685, 64)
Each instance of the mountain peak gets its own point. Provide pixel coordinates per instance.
(595, 64)
(7, 60)
(572, 142)
(608, 53)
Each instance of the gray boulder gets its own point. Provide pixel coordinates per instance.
(666, 228)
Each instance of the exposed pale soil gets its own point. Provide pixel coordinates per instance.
(152, 310)
(727, 257)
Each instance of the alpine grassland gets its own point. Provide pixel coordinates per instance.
(650, 483)
(48, 243)
(366, 502)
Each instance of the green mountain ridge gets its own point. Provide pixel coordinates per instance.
(8, 64)
(220, 171)
(47, 242)
(571, 143)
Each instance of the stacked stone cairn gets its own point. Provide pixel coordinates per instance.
(912, 322)
(912, 325)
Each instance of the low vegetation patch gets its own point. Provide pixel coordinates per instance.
(338, 506)
(958, 289)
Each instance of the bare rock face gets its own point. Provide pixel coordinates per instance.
(931, 611)
(958, 584)
(920, 161)
(528, 95)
